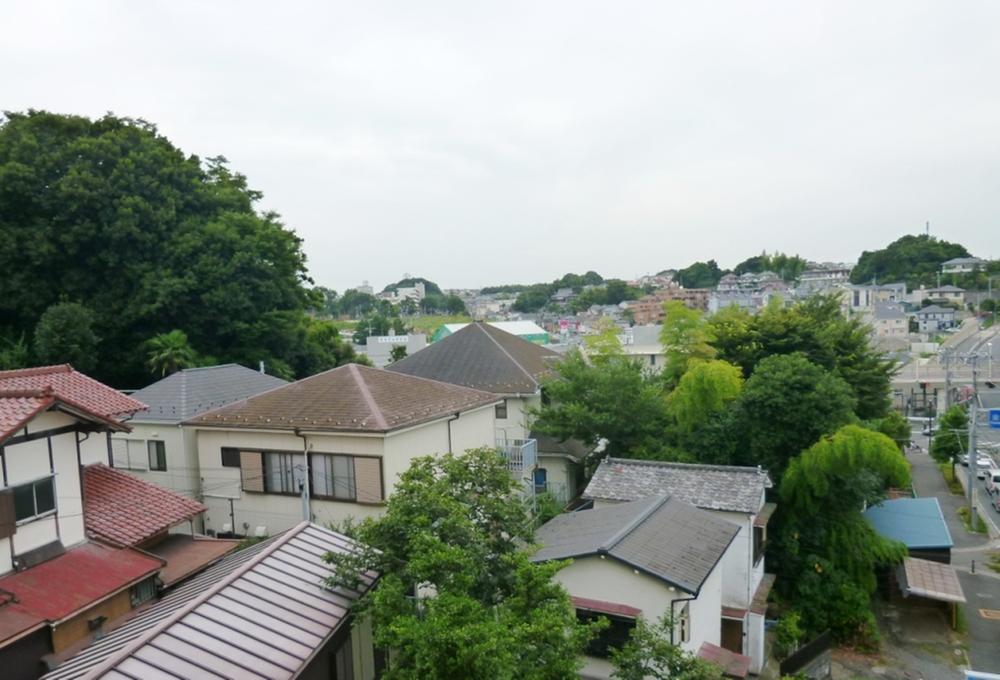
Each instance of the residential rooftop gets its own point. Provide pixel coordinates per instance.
(916, 522)
(350, 398)
(662, 536)
(191, 391)
(712, 487)
(483, 357)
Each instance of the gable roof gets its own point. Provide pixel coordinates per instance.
(917, 522)
(660, 536)
(191, 391)
(712, 487)
(64, 585)
(24, 393)
(125, 510)
(935, 309)
(482, 356)
(268, 601)
(350, 398)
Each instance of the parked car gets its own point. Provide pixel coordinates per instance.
(993, 481)
(984, 464)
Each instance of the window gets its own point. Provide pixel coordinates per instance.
(283, 472)
(230, 457)
(157, 451)
(501, 410)
(759, 543)
(684, 624)
(34, 499)
(612, 637)
(541, 477)
(143, 591)
(652, 360)
(130, 454)
(333, 476)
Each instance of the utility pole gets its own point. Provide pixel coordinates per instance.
(947, 380)
(973, 455)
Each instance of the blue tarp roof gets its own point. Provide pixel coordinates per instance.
(917, 522)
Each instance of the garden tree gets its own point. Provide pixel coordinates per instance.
(327, 301)
(650, 654)
(704, 391)
(14, 354)
(450, 528)
(616, 400)
(170, 352)
(915, 259)
(612, 292)
(685, 336)
(397, 353)
(444, 304)
(699, 275)
(110, 214)
(604, 345)
(816, 329)
(829, 553)
(950, 440)
(786, 405)
(65, 335)
(894, 426)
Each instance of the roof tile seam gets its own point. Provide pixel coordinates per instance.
(632, 524)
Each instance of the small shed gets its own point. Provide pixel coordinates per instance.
(916, 522)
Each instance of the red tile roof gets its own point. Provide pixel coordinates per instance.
(733, 665)
(124, 510)
(62, 586)
(29, 391)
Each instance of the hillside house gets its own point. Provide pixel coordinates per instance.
(643, 559)
(158, 449)
(934, 318)
(730, 493)
(962, 265)
(331, 445)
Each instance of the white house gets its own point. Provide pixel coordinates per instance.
(935, 318)
(56, 588)
(158, 449)
(378, 348)
(731, 493)
(962, 265)
(643, 343)
(331, 446)
(485, 357)
(648, 558)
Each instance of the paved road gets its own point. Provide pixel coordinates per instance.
(982, 589)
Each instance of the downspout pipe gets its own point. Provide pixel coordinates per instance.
(449, 421)
(306, 510)
(673, 622)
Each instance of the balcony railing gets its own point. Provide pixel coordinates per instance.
(521, 454)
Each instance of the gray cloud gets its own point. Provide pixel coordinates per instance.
(478, 144)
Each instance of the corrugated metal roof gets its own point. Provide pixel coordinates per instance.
(916, 522)
(191, 391)
(664, 537)
(260, 613)
(713, 487)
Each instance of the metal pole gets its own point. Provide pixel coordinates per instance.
(947, 381)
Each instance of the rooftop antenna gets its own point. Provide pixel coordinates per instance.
(927, 227)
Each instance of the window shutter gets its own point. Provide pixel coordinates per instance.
(119, 453)
(368, 479)
(8, 521)
(252, 470)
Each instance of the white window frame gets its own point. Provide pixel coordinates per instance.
(37, 516)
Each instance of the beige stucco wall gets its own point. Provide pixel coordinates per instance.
(517, 424)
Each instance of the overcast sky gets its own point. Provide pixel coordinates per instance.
(478, 143)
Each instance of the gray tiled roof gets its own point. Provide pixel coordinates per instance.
(935, 309)
(713, 487)
(187, 393)
(483, 357)
(268, 602)
(662, 536)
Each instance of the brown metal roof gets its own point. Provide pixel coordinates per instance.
(349, 398)
(932, 580)
(483, 357)
(264, 620)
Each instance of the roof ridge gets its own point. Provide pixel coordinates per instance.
(366, 394)
(181, 612)
(692, 466)
(37, 370)
(479, 325)
(631, 526)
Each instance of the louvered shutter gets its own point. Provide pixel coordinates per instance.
(119, 453)
(368, 479)
(252, 471)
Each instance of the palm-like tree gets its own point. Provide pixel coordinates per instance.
(169, 352)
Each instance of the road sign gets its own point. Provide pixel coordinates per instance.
(995, 418)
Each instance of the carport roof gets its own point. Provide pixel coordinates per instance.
(916, 522)
(932, 580)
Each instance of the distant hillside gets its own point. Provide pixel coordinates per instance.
(430, 288)
(913, 259)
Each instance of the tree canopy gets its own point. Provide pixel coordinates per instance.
(536, 296)
(788, 267)
(950, 440)
(452, 535)
(699, 275)
(703, 392)
(109, 214)
(685, 337)
(65, 334)
(914, 259)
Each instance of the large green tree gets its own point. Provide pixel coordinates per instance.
(703, 392)
(949, 441)
(110, 214)
(170, 352)
(914, 259)
(685, 337)
(65, 335)
(614, 399)
(452, 535)
(829, 553)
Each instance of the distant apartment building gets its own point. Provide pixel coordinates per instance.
(379, 348)
(649, 309)
(863, 298)
(823, 276)
(416, 293)
(962, 265)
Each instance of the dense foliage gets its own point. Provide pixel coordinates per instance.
(536, 296)
(685, 337)
(829, 552)
(949, 441)
(914, 259)
(65, 334)
(699, 275)
(110, 215)
(649, 654)
(451, 535)
(788, 267)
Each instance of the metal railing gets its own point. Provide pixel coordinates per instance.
(521, 454)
